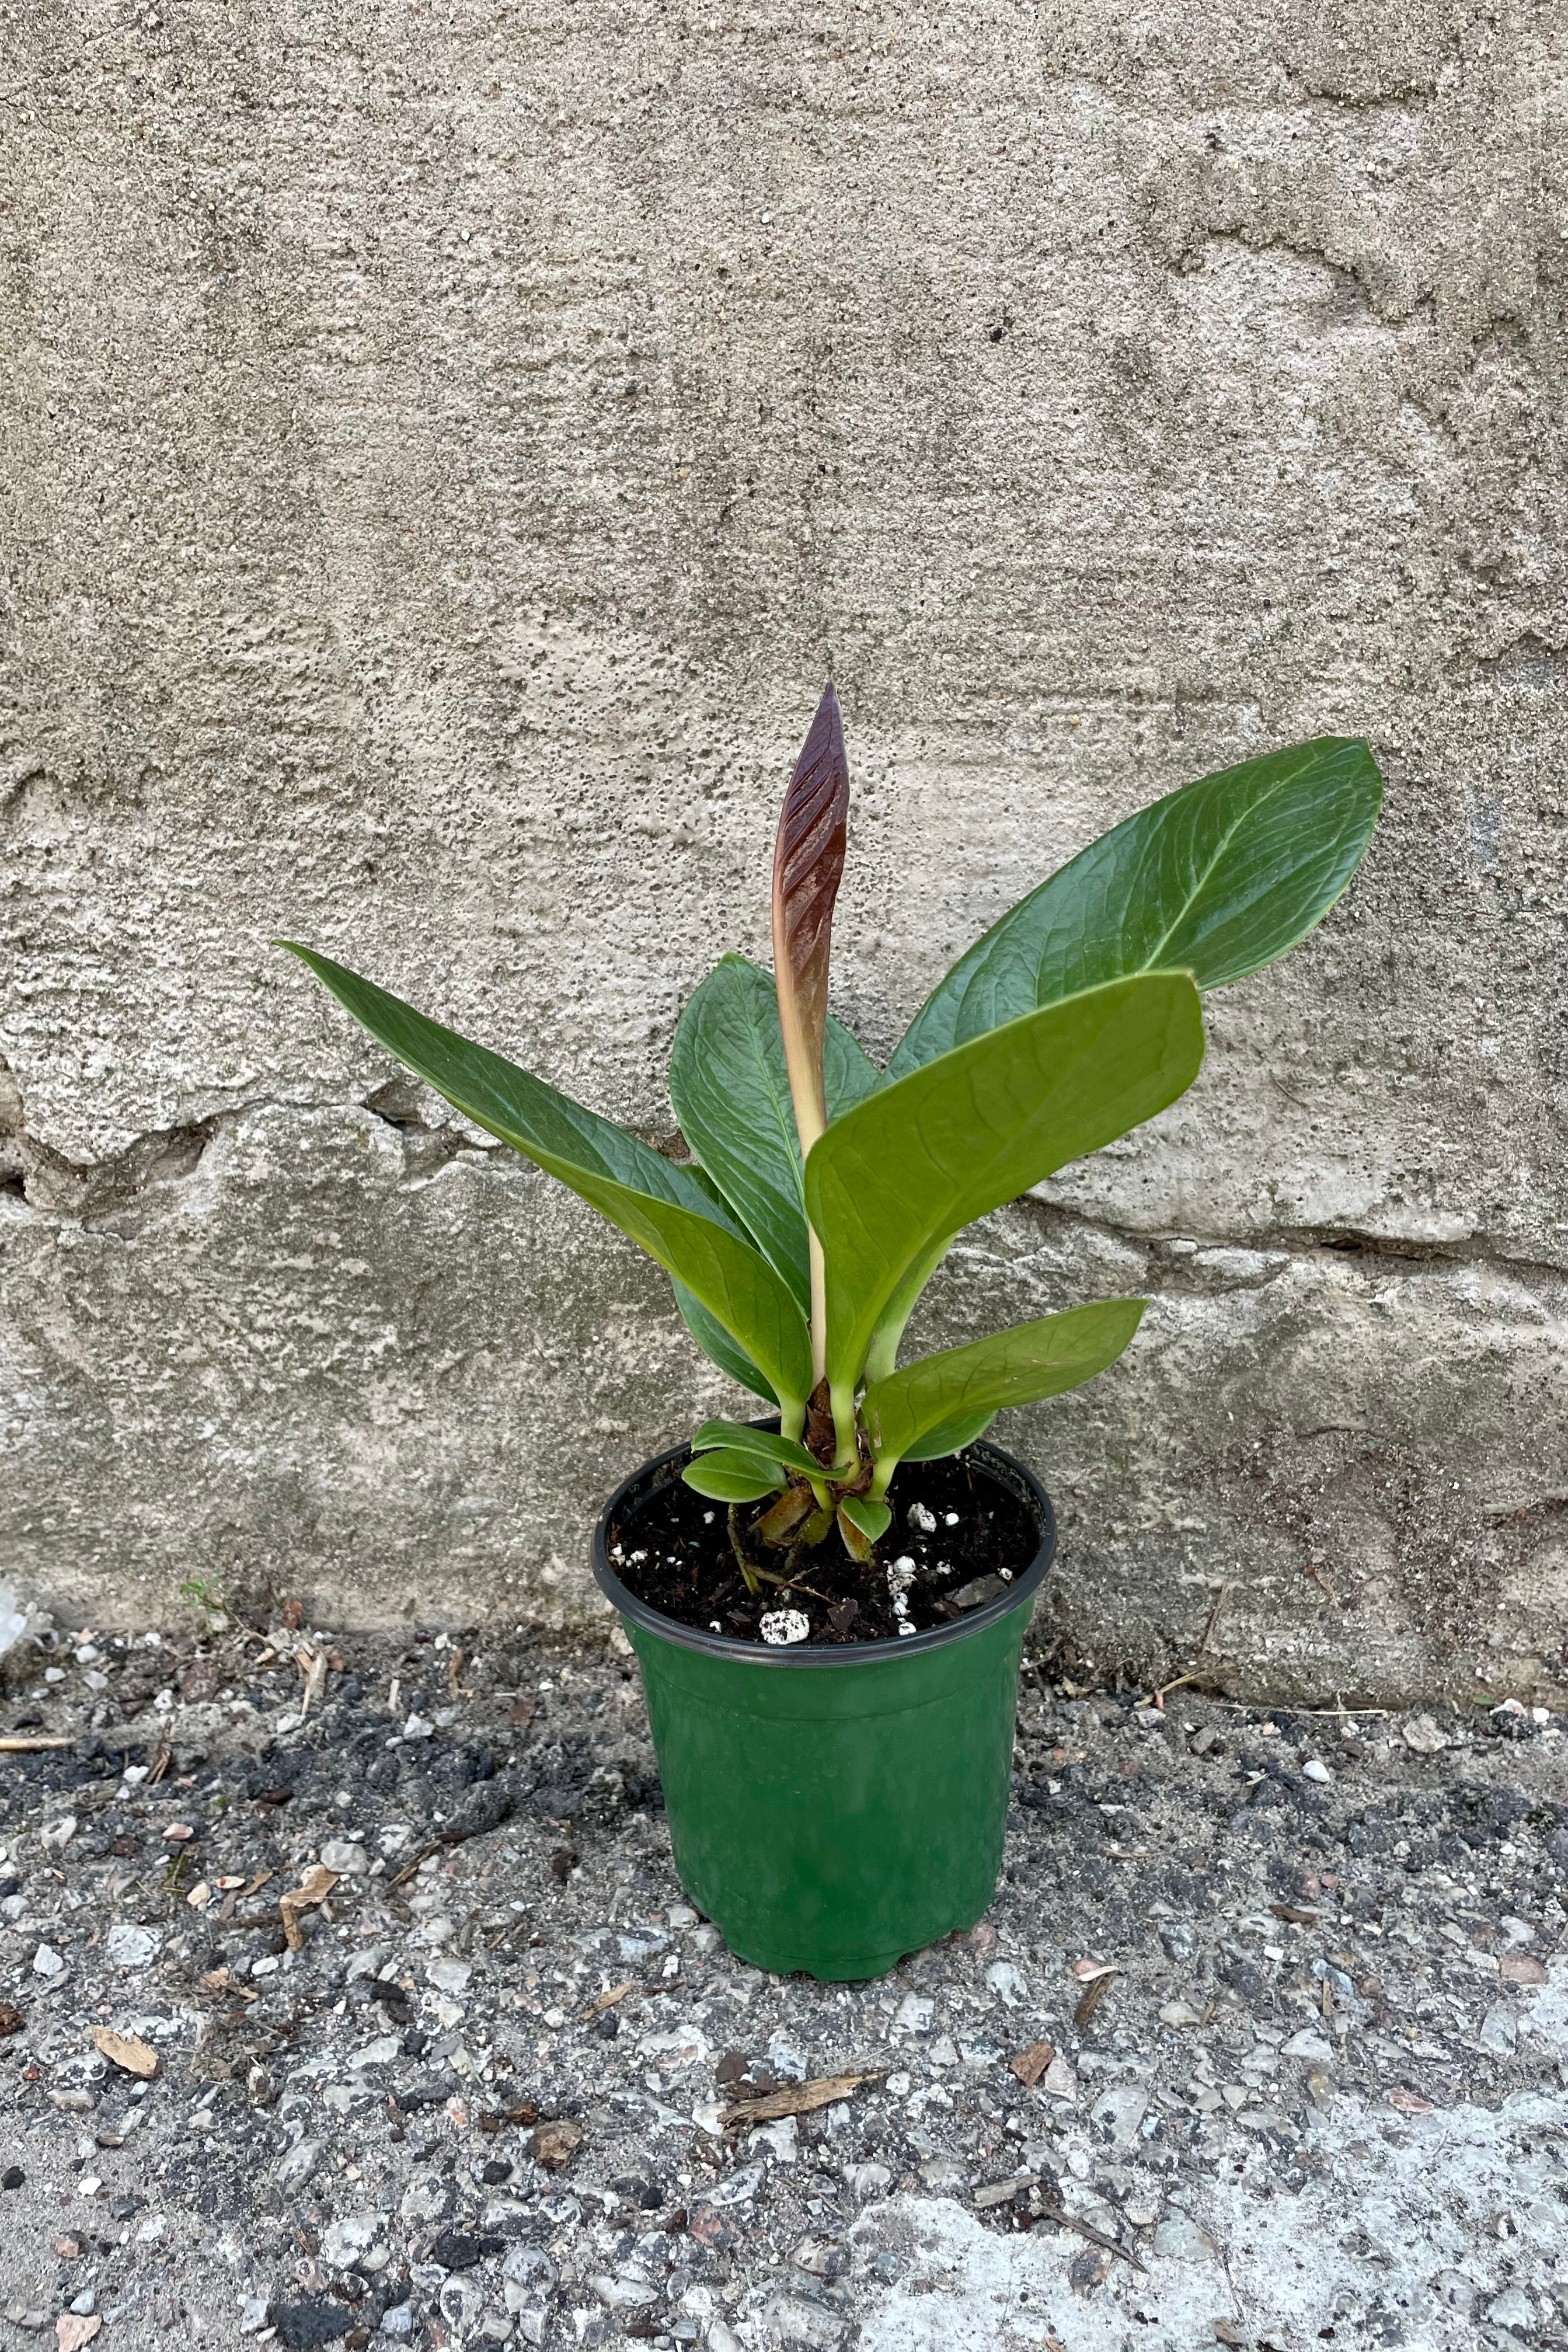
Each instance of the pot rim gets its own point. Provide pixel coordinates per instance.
(1023, 1587)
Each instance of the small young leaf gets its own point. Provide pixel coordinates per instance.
(733, 1477)
(857, 1543)
(873, 1519)
(758, 1444)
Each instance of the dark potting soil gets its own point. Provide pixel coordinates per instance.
(672, 1548)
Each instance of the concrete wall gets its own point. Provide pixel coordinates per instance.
(446, 448)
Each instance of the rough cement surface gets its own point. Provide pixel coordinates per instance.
(1320, 2098)
(445, 450)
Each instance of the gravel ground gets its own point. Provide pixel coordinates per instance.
(1264, 2042)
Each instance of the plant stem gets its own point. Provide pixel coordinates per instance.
(846, 1430)
(737, 1544)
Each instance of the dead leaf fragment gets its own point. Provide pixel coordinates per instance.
(1410, 2103)
(1521, 1969)
(1088, 1971)
(608, 2000)
(127, 2050)
(72, 2331)
(220, 1981)
(318, 1885)
(1060, 2218)
(11, 2019)
(1031, 2064)
(796, 2099)
(554, 2145)
(1093, 1993)
(1002, 2192)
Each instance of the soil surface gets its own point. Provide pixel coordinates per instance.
(958, 1539)
(1263, 2042)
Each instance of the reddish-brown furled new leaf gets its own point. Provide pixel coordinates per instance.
(808, 864)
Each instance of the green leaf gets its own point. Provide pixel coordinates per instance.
(873, 1519)
(1017, 1367)
(760, 1444)
(730, 1088)
(673, 1212)
(850, 1072)
(918, 1160)
(717, 1345)
(733, 1477)
(949, 1437)
(1218, 878)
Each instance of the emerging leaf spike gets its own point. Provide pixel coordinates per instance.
(808, 865)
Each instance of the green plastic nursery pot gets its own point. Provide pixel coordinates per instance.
(834, 1809)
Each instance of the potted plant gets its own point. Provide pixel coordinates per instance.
(828, 1604)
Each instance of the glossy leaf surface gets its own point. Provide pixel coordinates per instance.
(1020, 1365)
(949, 1437)
(918, 1160)
(671, 1212)
(730, 1088)
(1218, 878)
(733, 1477)
(758, 1444)
(873, 1519)
(717, 1345)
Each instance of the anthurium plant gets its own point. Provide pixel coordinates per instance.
(823, 1192)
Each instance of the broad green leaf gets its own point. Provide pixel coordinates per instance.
(952, 1140)
(733, 1477)
(949, 1437)
(873, 1519)
(759, 1444)
(1017, 1367)
(717, 1345)
(1218, 878)
(730, 1088)
(673, 1212)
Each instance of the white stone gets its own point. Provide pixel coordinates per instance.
(449, 1975)
(1007, 1982)
(346, 1856)
(129, 1946)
